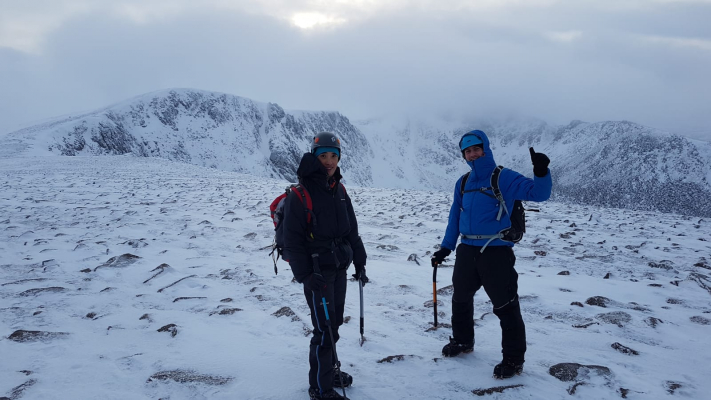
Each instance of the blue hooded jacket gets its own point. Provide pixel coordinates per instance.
(474, 213)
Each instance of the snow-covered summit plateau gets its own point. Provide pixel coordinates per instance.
(142, 278)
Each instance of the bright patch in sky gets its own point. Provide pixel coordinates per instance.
(312, 20)
(564, 37)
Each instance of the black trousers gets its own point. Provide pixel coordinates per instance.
(321, 358)
(493, 269)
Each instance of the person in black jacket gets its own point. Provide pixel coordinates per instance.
(319, 253)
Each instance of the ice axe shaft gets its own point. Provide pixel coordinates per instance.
(434, 289)
(362, 319)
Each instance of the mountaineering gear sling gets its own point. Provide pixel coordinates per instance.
(317, 270)
(518, 216)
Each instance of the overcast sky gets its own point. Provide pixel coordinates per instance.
(647, 61)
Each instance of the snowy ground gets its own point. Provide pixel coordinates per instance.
(98, 254)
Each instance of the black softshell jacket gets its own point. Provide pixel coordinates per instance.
(335, 229)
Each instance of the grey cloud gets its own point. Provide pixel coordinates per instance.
(414, 60)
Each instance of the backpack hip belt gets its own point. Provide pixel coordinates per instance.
(481, 237)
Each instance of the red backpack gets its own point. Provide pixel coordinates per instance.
(277, 213)
(276, 210)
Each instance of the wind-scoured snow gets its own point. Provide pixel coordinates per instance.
(133, 278)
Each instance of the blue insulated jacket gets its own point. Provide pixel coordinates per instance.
(475, 213)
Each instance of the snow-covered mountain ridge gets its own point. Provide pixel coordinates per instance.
(612, 163)
(203, 128)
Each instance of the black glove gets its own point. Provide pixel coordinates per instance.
(440, 255)
(315, 282)
(360, 274)
(540, 163)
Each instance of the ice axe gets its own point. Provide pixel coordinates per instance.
(360, 287)
(434, 289)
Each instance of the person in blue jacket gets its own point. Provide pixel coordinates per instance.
(482, 257)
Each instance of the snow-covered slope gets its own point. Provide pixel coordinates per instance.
(612, 163)
(140, 278)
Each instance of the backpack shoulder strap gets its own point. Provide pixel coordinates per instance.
(495, 183)
(305, 199)
(465, 177)
(497, 191)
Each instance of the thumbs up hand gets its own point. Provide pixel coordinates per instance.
(540, 163)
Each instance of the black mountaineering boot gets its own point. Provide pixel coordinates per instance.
(508, 368)
(329, 394)
(453, 348)
(347, 380)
